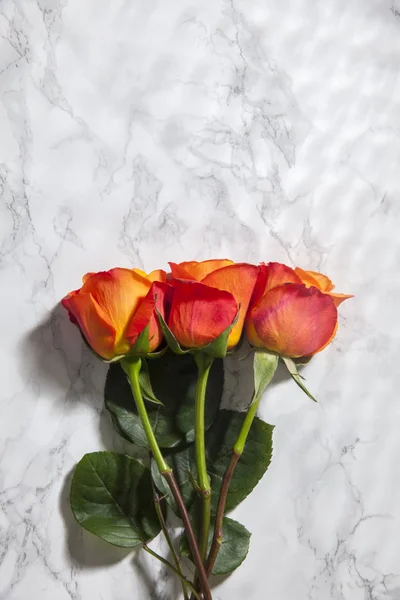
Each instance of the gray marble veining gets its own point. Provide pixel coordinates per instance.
(132, 133)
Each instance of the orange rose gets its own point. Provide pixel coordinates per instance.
(199, 313)
(288, 316)
(113, 307)
(238, 279)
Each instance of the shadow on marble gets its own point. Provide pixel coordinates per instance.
(161, 584)
(59, 358)
(67, 372)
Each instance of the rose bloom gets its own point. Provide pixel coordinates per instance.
(199, 313)
(112, 308)
(293, 312)
(237, 279)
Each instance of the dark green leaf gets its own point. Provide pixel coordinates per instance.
(173, 379)
(292, 368)
(111, 496)
(253, 463)
(220, 440)
(233, 550)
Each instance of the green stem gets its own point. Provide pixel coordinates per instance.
(157, 504)
(235, 456)
(204, 363)
(132, 367)
(247, 423)
(164, 561)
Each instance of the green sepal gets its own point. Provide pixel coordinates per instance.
(169, 336)
(142, 344)
(145, 384)
(111, 496)
(218, 347)
(234, 547)
(158, 353)
(140, 348)
(292, 368)
(264, 367)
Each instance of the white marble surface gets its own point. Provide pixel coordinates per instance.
(136, 132)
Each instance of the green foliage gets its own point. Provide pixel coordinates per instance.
(233, 550)
(220, 439)
(173, 383)
(112, 497)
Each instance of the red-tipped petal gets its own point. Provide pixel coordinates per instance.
(293, 320)
(270, 276)
(93, 322)
(199, 314)
(239, 280)
(146, 315)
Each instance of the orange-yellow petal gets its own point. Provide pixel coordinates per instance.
(339, 298)
(196, 271)
(293, 320)
(157, 275)
(118, 292)
(318, 280)
(323, 283)
(199, 313)
(239, 280)
(93, 322)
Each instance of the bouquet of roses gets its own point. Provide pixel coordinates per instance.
(166, 336)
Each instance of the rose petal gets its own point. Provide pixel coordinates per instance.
(199, 314)
(318, 280)
(323, 283)
(118, 292)
(239, 280)
(196, 271)
(146, 315)
(272, 275)
(93, 322)
(293, 320)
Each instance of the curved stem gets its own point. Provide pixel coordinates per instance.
(157, 504)
(204, 363)
(185, 582)
(235, 456)
(132, 367)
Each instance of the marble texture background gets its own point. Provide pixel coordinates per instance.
(132, 133)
